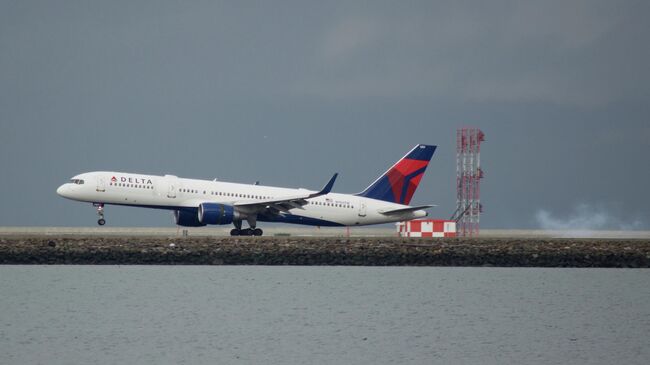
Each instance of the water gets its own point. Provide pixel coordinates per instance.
(322, 315)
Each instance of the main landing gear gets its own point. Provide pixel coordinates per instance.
(100, 211)
(252, 231)
(246, 232)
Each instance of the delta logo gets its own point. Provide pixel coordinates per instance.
(131, 180)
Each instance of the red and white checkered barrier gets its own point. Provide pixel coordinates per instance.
(427, 228)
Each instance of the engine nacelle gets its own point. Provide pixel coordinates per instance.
(213, 213)
(187, 218)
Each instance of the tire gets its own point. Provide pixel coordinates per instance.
(235, 232)
(101, 221)
(257, 232)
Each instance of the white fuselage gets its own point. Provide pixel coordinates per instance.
(171, 192)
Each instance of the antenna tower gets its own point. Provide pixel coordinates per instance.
(468, 178)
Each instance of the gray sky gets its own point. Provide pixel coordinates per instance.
(290, 92)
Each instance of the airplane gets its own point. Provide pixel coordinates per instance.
(197, 203)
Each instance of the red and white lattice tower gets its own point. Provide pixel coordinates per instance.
(468, 178)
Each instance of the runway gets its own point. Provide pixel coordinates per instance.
(299, 231)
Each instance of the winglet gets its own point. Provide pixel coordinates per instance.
(329, 185)
(327, 188)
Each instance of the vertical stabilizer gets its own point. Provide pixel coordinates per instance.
(398, 184)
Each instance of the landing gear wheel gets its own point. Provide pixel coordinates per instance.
(257, 232)
(247, 232)
(100, 213)
(235, 232)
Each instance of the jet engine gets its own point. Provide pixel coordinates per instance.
(214, 213)
(187, 218)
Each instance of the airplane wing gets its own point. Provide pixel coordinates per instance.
(404, 210)
(285, 203)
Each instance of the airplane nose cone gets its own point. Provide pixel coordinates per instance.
(61, 190)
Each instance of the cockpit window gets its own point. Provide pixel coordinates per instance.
(77, 181)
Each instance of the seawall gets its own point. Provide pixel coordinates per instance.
(365, 251)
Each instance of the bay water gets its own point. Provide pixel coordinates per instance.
(322, 315)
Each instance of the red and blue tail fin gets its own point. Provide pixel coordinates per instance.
(398, 184)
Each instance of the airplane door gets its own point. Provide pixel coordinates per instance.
(362, 208)
(172, 186)
(101, 184)
(171, 192)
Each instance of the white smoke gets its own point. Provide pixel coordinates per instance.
(585, 221)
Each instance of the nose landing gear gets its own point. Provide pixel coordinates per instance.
(100, 211)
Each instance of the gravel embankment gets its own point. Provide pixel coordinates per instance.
(634, 253)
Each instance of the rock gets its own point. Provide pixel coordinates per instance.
(327, 251)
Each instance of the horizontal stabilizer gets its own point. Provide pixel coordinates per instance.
(404, 210)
